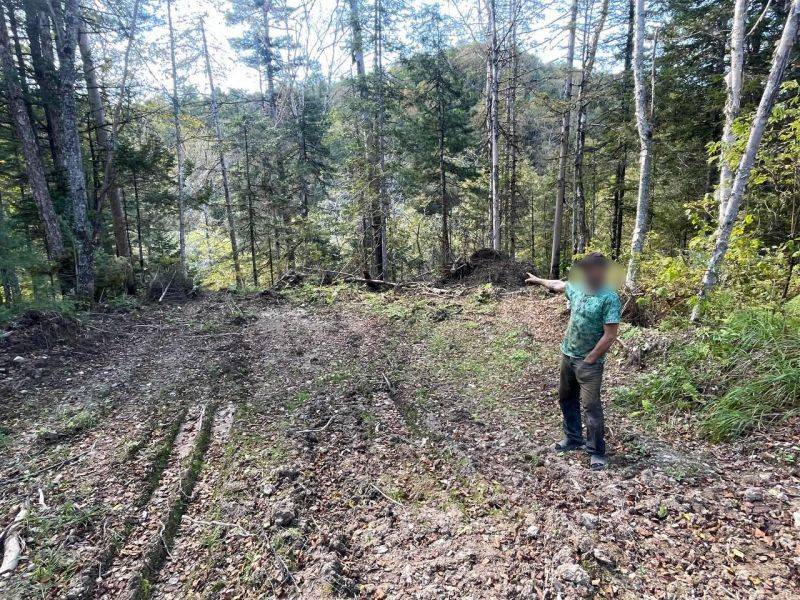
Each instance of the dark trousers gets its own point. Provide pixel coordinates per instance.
(579, 385)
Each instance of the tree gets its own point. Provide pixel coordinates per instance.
(561, 181)
(222, 164)
(27, 137)
(581, 233)
(772, 88)
(645, 129)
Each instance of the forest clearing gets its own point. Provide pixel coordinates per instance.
(400, 299)
(331, 442)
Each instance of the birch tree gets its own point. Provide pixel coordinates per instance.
(645, 130)
(561, 182)
(779, 62)
(733, 88)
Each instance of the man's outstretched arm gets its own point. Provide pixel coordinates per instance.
(554, 285)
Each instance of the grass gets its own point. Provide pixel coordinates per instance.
(740, 376)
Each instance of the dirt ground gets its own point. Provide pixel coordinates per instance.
(336, 443)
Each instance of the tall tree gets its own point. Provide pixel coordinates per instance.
(493, 120)
(222, 164)
(561, 182)
(773, 85)
(618, 205)
(581, 233)
(176, 123)
(645, 130)
(66, 21)
(26, 135)
(733, 87)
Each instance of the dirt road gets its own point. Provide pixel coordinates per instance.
(346, 445)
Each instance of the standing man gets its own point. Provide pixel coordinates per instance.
(592, 329)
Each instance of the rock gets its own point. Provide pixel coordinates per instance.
(589, 520)
(268, 489)
(796, 517)
(532, 532)
(574, 574)
(286, 472)
(603, 556)
(283, 516)
(753, 494)
(563, 556)
(18, 360)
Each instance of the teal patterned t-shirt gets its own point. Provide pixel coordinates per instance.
(589, 312)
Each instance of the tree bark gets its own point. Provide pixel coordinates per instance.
(494, 124)
(618, 210)
(645, 130)
(98, 115)
(250, 209)
(579, 243)
(512, 132)
(779, 61)
(561, 183)
(381, 212)
(179, 159)
(733, 88)
(37, 30)
(66, 26)
(443, 179)
(34, 167)
(223, 166)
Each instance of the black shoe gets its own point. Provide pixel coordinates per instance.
(597, 462)
(567, 445)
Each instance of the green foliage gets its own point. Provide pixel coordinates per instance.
(738, 376)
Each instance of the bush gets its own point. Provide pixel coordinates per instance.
(740, 376)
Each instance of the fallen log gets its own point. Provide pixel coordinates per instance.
(13, 543)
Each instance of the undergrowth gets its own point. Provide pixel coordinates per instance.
(738, 376)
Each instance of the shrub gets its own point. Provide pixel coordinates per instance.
(737, 377)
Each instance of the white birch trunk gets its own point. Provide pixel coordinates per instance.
(733, 85)
(644, 127)
(771, 90)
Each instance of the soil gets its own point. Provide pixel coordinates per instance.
(348, 444)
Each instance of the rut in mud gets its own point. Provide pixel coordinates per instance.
(364, 446)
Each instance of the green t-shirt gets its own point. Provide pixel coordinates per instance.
(589, 313)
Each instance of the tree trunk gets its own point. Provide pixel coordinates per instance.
(512, 132)
(176, 123)
(644, 127)
(561, 183)
(41, 51)
(618, 210)
(223, 166)
(66, 26)
(98, 115)
(443, 179)
(771, 90)
(494, 125)
(383, 198)
(34, 167)
(733, 85)
(8, 275)
(250, 209)
(580, 240)
(138, 219)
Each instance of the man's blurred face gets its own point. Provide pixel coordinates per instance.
(594, 276)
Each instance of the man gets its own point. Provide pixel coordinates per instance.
(592, 329)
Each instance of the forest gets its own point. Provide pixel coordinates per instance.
(264, 327)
